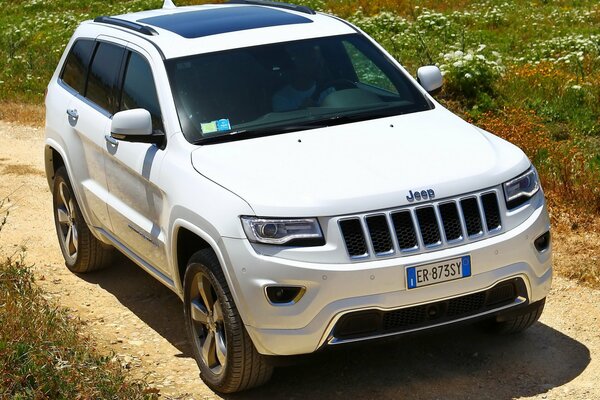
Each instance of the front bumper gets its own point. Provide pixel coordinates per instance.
(334, 290)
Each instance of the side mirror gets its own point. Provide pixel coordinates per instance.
(430, 77)
(134, 126)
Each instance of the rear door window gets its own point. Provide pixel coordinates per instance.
(103, 77)
(139, 90)
(76, 65)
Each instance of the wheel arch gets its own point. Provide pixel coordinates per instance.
(53, 160)
(188, 238)
(187, 242)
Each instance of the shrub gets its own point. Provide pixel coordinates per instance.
(44, 354)
(471, 74)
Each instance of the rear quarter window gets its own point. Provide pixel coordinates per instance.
(76, 64)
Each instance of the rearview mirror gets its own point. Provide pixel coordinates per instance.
(134, 126)
(430, 78)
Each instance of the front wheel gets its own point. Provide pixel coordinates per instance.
(227, 359)
(517, 321)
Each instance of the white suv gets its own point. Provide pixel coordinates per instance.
(289, 180)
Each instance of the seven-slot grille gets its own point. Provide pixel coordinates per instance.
(423, 227)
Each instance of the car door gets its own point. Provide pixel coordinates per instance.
(135, 202)
(88, 113)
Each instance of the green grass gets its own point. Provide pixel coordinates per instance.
(43, 352)
(499, 58)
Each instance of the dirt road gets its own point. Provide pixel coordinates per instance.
(140, 321)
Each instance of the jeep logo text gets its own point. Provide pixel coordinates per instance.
(420, 195)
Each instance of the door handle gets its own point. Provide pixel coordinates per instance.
(111, 140)
(72, 113)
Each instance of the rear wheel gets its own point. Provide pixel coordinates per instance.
(227, 359)
(81, 250)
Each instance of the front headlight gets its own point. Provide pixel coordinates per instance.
(517, 191)
(280, 231)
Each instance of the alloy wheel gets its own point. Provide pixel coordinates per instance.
(66, 214)
(207, 324)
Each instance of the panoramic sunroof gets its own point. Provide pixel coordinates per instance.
(199, 23)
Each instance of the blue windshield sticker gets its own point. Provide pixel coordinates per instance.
(219, 125)
(223, 125)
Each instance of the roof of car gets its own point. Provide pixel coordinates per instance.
(190, 30)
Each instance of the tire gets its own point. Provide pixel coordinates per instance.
(225, 354)
(81, 250)
(517, 321)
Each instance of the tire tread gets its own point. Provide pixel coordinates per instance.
(520, 322)
(248, 368)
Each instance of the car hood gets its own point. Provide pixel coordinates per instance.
(361, 166)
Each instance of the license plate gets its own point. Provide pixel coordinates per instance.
(441, 271)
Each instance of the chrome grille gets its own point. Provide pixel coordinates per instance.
(423, 227)
(470, 210)
(405, 230)
(354, 237)
(491, 211)
(451, 221)
(381, 239)
(430, 231)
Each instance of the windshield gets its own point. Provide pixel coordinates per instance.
(277, 88)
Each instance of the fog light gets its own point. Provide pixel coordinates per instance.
(543, 242)
(284, 294)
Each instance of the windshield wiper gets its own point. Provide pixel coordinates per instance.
(375, 113)
(251, 133)
(325, 121)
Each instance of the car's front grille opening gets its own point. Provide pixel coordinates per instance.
(354, 237)
(491, 211)
(466, 304)
(405, 230)
(380, 234)
(428, 225)
(424, 227)
(402, 318)
(451, 221)
(367, 323)
(472, 218)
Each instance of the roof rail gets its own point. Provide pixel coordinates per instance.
(143, 29)
(269, 3)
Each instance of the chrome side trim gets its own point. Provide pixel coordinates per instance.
(156, 273)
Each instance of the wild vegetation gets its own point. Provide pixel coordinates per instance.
(528, 71)
(43, 352)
